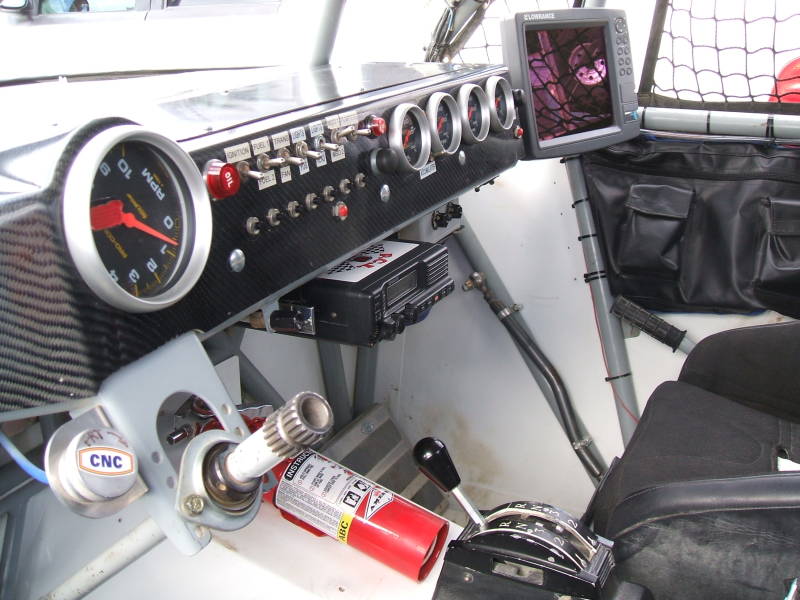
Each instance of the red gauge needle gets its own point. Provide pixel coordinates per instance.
(407, 137)
(440, 124)
(470, 112)
(110, 215)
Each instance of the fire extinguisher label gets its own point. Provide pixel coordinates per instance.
(377, 500)
(324, 494)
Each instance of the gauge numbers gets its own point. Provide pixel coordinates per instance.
(136, 218)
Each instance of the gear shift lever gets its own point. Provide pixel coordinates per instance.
(434, 461)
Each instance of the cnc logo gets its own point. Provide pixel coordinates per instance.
(539, 16)
(111, 462)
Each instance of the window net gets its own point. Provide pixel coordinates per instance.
(737, 55)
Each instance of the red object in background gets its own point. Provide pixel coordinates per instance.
(358, 512)
(787, 85)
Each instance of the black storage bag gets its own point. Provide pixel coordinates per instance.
(699, 226)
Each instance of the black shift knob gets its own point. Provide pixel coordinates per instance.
(434, 461)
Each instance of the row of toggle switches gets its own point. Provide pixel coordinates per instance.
(311, 202)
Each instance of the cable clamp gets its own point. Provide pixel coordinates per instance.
(506, 312)
(594, 275)
(610, 379)
(584, 443)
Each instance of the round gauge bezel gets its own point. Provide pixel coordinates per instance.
(432, 110)
(490, 87)
(395, 136)
(76, 219)
(464, 93)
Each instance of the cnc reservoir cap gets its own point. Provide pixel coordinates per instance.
(98, 465)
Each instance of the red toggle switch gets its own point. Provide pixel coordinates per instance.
(222, 179)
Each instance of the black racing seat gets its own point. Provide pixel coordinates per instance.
(696, 505)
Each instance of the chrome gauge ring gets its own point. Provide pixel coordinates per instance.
(410, 137)
(136, 218)
(501, 103)
(474, 108)
(444, 119)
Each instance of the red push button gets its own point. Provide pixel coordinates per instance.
(377, 126)
(222, 179)
(519, 132)
(340, 211)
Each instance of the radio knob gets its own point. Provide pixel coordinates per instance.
(328, 193)
(274, 217)
(263, 161)
(344, 186)
(301, 149)
(222, 179)
(311, 201)
(292, 209)
(340, 210)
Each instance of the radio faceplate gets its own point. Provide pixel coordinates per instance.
(374, 294)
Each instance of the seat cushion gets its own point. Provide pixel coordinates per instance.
(687, 433)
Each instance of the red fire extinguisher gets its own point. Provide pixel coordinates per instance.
(325, 498)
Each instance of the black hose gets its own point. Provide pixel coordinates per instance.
(591, 462)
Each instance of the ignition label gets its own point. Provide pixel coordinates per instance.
(322, 493)
(238, 152)
(260, 145)
(298, 134)
(267, 180)
(280, 140)
(100, 460)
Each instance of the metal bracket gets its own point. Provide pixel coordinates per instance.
(132, 399)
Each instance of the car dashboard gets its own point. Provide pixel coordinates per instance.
(191, 210)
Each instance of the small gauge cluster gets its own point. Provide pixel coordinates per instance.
(417, 137)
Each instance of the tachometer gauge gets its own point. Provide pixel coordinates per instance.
(410, 136)
(137, 219)
(501, 103)
(474, 107)
(445, 123)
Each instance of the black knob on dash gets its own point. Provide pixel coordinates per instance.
(434, 461)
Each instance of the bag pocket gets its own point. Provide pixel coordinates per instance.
(780, 262)
(651, 233)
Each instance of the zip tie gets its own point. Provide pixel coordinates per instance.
(610, 379)
(593, 276)
(574, 204)
(506, 312)
(588, 235)
(770, 132)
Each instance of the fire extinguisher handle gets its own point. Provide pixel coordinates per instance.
(434, 461)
